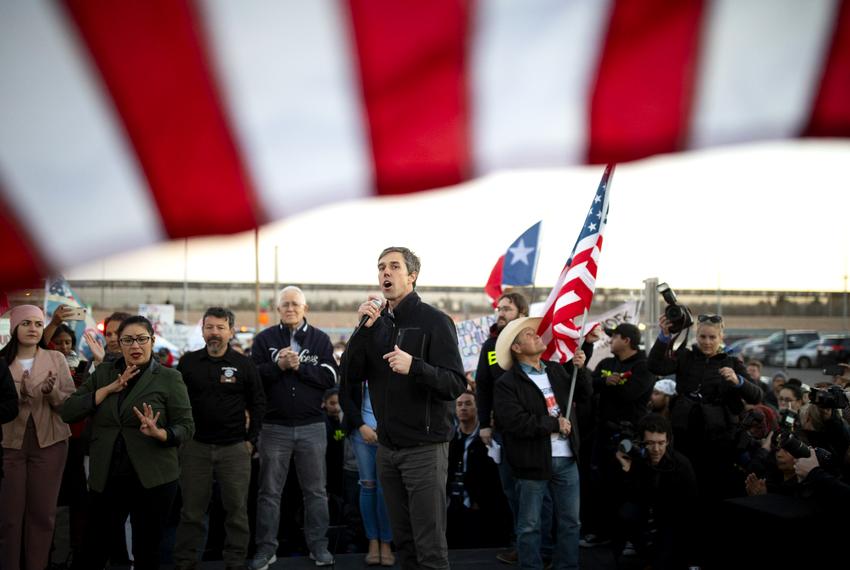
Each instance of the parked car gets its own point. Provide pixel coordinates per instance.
(735, 348)
(765, 349)
(804, 357)
(833, 349)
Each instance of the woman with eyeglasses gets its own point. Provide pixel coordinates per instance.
(35, 442)
(140, 414)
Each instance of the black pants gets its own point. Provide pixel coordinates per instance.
(148, 510)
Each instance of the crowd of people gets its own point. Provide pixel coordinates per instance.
(398, 453)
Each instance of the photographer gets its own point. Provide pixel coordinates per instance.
(821, 423)
(661, 492)
(712, 389)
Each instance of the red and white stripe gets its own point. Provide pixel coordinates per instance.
(127, 123)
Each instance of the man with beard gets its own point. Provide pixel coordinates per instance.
(224, 388)
(509, 307)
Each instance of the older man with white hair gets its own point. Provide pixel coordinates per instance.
(297, 365)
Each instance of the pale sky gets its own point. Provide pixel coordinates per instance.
(763, 216)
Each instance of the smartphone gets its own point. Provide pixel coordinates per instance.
(834, 370)
(76, 314)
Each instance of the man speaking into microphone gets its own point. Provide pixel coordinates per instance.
(408, 351)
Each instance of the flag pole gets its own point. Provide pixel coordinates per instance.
(575, 368)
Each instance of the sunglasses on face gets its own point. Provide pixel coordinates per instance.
(710, 319)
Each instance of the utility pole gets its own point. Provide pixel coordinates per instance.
(256, 280)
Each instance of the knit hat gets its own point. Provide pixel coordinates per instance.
(666, 386)
(23, 313)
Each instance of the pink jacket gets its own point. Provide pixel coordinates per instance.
(44, 408)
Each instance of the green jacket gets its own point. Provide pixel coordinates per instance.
(155, 462)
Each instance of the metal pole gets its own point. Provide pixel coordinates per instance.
(650, 303)
(256, 279)
(186, 281)
(845, 298)
(579, 342)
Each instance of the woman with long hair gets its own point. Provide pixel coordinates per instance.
(35, 443)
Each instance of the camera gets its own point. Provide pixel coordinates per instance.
(787, 421)
(679, 316)
(829, 398)
(627, 443)
(798, 449)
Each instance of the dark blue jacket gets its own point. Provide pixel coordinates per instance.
(294, 397)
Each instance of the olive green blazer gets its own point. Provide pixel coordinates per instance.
(163, 389)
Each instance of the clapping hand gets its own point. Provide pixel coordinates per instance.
(287, 359)
(49, 383)
(94, 345)
(148, 422)
(25, 394)
(755, 486)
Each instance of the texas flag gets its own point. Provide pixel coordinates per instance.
(518, 264)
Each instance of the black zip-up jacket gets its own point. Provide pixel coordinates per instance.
(670, 487)
(221, 390)
(412, 409)
(294, 397)
(524, 419)
(625, 401)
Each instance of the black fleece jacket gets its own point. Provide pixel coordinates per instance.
(416, 408)
(294, 397)
(627, 400)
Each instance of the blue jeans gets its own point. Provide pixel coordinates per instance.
(509, 488)
(564, 488)
(276, 446)
(373, 510)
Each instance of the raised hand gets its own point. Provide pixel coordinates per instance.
(94, 345)
(399, 360)
(147, 421)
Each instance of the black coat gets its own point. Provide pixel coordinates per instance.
(525, 422)
(486, 374)
(626, 401)
(418, 407)
(670, 487)
(8, 402)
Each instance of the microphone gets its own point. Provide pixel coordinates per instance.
(378, 304)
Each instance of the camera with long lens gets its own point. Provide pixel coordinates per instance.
(798, 449)
(677, 314)
(829, 398)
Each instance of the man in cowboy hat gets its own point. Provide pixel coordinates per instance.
(541, 439)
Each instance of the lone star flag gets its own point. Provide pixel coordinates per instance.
(573, 292)
(518, 265)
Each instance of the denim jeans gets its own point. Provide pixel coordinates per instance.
(276, 446)
(564, 488)
(373, 509)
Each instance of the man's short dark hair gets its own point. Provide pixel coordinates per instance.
(655, 423)
(333, 391)
(411, 260)
(220, 313)
(756, 363)
(116, 316)
(519, 301)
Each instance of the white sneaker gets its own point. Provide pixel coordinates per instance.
(629, 549)
(324, 558)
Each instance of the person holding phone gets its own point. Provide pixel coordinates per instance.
(408, 351)
(35, 442)
(140, 414)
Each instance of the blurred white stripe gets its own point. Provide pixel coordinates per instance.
(533, 66)
(68, 171)
(286, 72)
(760, 67)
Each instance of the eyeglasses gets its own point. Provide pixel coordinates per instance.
(288, 305)
(129, 340)
(710, 319)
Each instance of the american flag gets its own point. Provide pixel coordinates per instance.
(140, 121)
(573, 292)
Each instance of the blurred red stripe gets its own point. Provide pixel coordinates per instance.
(152, 60)
(831, 109)
(412, 62)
